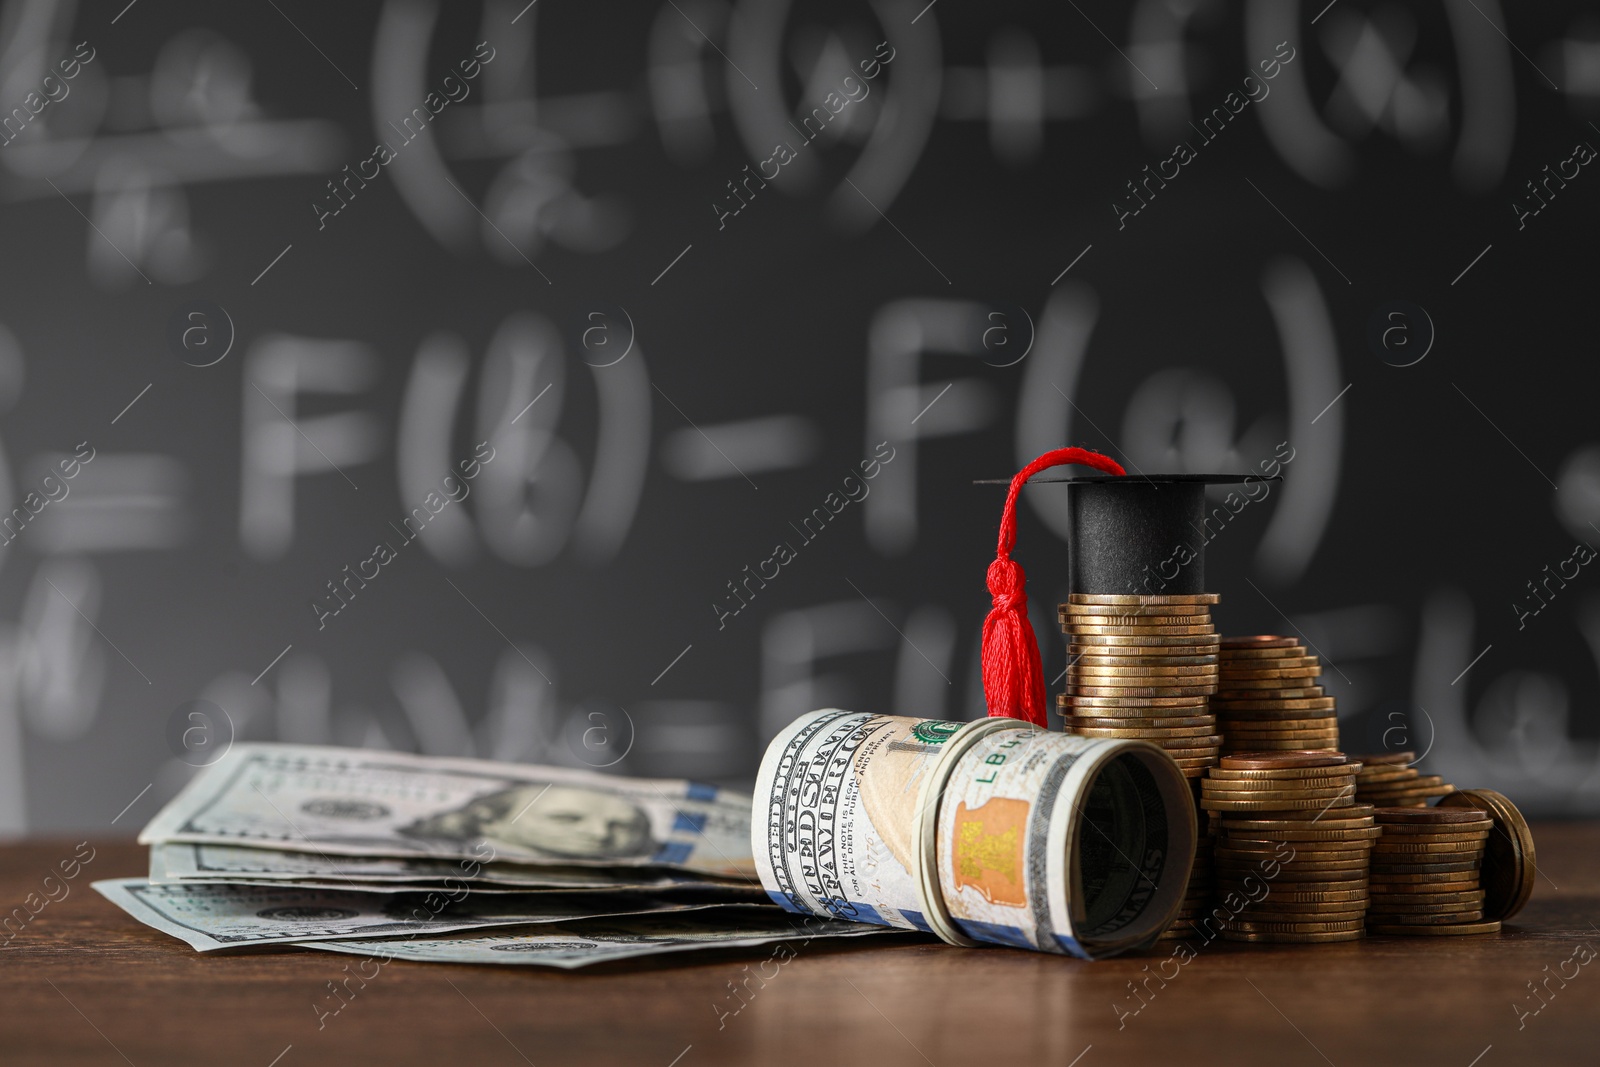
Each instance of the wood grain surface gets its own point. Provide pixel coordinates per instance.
(81, 983)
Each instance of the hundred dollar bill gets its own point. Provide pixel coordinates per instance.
(580, 944)
(993, 831)
(357, 802)
(211, 917)
(183, 862)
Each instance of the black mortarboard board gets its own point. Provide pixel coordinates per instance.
(1129, 534)
(1139, 534)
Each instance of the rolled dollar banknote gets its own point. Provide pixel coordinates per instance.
(991, 831)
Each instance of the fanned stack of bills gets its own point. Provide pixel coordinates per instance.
(452, 860)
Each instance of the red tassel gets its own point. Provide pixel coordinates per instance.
(1013, 679)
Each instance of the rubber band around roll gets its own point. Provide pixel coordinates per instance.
(924, 829)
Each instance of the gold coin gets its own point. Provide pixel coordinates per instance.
(1346, 771)
(1143, 598)
(1288, 745)
(1319, 897)
(1386, 865)
(1295, 928)
(1280, 732)
(1143, 722)
(1209, 673)
(1249, 790)
(1066, 700)
(1244, 824)
(1293, 939)
(1288, 704)
(1262, 655)
(1158, 716)
(1301, 715)
(1259, 641)
(1347, 913)
(1137, 732)
(1278, 680)
(1401, 832)
(1216, 804)
(1226, 691)
(1436, 930)
(1104, 657)
(1465, 836)
(1073, 621)
(1414, 903)
(1079, 690)
(1191, 643)
(1281, 668)
(1082, 630)
(1306, 837)
(1407, 918)
(1416, 881)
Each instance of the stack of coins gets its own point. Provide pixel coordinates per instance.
(1424, 876)
(1143, 667)
(1388, 780)
(1268, 698)
(1197, 901)
(1291, 848)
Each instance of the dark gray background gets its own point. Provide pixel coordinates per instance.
(943, 269)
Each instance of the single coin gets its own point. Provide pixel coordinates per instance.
(1121, 641)
(1510, 864)
(1213, 788)
(1260, 641)
(1288, 744)
(1287, 704)
(1113, 618)
(1142, 598)
(1294, 928)
(1408, 918)
(1292, 786)
(1293, 939)
(1248, 655)
(1346, 913)
(1215, 802)
(1095, 671)
(1306, 837)
(1286, 667)
(1431, 816)
(1096, 659)
(1417, 882)
(1415, 903)
(1447, 837)
(1082, 630)
(1273, 761)
(1277, 715)
(1243, 824)
(1379, 758)
(1344, 771)
(1424, 865)
(1075, 689)
(1319, 897)
(1230, 691)
(1133, 701)
(1280, 733)
(1437, 930)
(1404, 832)
(1163, 655)
(1155, 733)
(1207, 722)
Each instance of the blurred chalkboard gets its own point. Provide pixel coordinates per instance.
(669, 280)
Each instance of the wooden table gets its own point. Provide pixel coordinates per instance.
(82, 983)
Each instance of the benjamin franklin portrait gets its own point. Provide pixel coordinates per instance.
(566, 821)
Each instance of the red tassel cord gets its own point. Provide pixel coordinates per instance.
(1013, 678)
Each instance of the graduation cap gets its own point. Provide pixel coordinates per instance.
(1126, 534)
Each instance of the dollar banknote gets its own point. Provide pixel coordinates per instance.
(581, 944)
(355, 802)
(212, 917)
(993, 831)
(236, 865)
